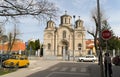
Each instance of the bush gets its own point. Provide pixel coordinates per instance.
(6, 71)
(116, 60)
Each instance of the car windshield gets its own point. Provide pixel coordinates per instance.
(14, 57)
(89, 56)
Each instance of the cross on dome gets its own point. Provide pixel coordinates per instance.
(65, 12)
(78, 17)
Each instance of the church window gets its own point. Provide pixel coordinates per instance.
(79, 46)
(69, 21)
(52, 25)
(79, 24)
(49, 46)
(65, 20)
(64, 34)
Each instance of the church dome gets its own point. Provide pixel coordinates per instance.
(79, 23)
(66, 19)
(50, 24)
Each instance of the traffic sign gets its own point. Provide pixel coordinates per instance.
(106, 34)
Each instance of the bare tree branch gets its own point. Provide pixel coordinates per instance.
(95, 33)
(38, 8)
(12, 38)
(91, 33)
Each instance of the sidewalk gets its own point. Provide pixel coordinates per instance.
(35, 63)
(95, 71)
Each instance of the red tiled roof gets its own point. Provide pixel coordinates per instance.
(18, 45)
(89, 44)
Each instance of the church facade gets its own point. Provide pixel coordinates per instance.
(66, 39)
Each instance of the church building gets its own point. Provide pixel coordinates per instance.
(66, 39)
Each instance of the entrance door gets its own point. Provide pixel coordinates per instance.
(64, 50)
(64, 47)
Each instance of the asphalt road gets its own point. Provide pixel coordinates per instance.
(47, 68)
(64, 69)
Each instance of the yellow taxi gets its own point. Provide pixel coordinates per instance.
(16, 61)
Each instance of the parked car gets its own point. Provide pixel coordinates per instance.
(87, 58)
(4, 57)
(16, 61)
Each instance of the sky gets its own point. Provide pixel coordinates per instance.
(32, 29)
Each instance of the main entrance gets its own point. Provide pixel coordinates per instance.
(63, 48)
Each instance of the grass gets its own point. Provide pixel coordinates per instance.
(6, 71)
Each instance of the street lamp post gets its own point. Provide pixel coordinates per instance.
(74, 39)
(99, 26)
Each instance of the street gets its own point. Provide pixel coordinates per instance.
(54, 68)
(65, 69)
(47, 68)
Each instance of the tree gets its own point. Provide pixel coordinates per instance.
(94, 33)
(35, 8)
(37, 44)
(20, 8)
(114, 43)
(3, 37)
(105, 43)
(31, 45)
(104, 25)
(2, 28)
(12, 38)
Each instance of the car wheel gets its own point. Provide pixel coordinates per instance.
(27, 65)
(17, 66)
(78, 60)
(82, 60)
(93, 60)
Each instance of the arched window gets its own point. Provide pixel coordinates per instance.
(49, 46)
(79, 24)
(65, 20)
(79, 46)
(64, 34)
(69, 21)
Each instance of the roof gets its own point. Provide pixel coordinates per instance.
(89, 44)
(18, 45)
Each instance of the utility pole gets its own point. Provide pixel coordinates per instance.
(106, 46)
(99, 26)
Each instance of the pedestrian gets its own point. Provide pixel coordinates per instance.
(108, 65)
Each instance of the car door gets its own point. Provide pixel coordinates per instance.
(87, 58)
(90, 58)
(22, 61)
